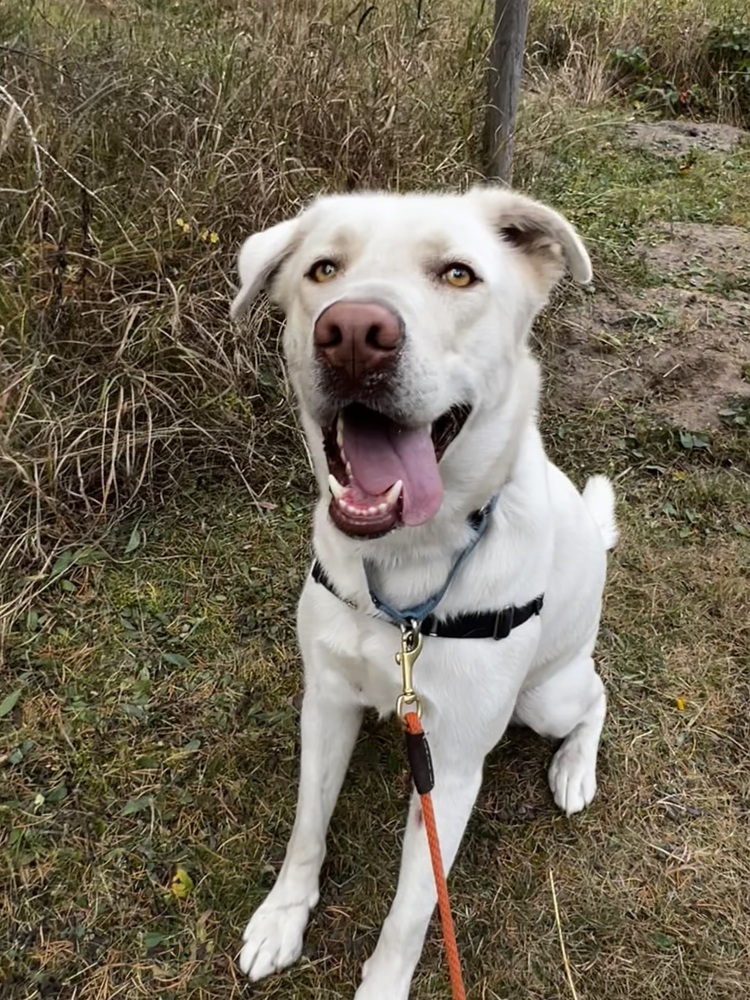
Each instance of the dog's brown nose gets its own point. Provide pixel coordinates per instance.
(358, 337)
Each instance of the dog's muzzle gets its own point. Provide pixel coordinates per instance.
(383, 468)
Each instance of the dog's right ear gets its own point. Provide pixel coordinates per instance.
(262, 254)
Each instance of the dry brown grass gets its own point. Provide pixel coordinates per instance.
(119, 366)
(658, 48)
(119, 370)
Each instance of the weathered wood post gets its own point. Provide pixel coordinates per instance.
(504, 86)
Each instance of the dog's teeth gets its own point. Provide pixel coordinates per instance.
(394, 493)
(338, 490)
(348, 465)
(335, 486)
(340, 432)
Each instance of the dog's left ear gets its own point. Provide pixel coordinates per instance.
(262, 254)
(542, 235)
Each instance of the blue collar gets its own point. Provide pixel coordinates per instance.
(479, 521)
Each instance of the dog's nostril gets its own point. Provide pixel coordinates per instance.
(328, 335)
(372, 337)
(383, 337)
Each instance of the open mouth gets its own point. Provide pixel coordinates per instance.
(383, 474)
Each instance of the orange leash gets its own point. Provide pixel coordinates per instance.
(421, 767)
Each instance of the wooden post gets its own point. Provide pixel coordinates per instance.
(504, 85)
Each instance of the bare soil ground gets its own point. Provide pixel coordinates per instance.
(678, 138)
(679, 349)
(700, 256)
(682, 355)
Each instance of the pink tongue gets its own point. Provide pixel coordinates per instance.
(381, 453)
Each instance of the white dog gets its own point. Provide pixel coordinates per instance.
(406, 339)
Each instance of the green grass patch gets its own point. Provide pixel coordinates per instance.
(156, 728)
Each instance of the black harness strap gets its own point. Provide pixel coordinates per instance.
(474, 625)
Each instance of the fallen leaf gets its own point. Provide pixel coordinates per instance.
(8, 704)
(133, 542)
(152, 939)
(137, 805)
(181, 885)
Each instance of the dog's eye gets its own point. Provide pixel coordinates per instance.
(322, 271)
(458, 275)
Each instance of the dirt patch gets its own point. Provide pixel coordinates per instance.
(674, 139)
(679, 354)
(699, 255)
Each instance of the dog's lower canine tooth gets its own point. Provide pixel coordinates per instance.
(394, 493)
(335, 486)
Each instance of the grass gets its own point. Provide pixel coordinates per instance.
(141, 141)
(139, 146)
(155, 507)
(156, 728)
(677, 58)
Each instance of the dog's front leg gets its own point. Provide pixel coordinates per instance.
(329, 727)
(388, 973)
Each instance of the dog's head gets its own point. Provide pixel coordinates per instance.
(406, 316)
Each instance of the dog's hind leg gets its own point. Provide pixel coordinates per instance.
(329, 727)
(571, 706)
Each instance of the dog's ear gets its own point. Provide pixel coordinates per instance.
(545, 238)
(261, 255)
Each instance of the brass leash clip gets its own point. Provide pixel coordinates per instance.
(411, 647)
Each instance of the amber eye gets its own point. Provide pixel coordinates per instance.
(458, 275)
(322, 271)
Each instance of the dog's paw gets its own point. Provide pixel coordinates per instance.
(383, 978)
(371, 990)
(273, 938)
(572, 777)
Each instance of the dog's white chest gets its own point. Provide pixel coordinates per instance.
(365, 656)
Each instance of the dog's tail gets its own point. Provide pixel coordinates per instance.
(599, 497)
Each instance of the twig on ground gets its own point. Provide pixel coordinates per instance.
(563, 950)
